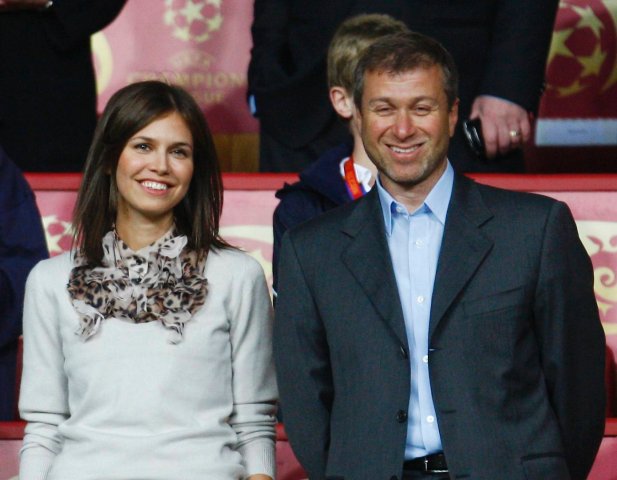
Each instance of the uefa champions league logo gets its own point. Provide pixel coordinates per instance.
(193, 20)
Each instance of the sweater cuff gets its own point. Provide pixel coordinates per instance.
(259, 457)
(35, 463)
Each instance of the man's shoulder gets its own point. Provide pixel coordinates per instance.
(479, 202)
(497, 197)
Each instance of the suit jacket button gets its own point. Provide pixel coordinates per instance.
(403, 352)
(401, 416)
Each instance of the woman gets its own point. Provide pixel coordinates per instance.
(147, 351)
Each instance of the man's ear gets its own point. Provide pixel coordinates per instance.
(453, 117)
(341, 102)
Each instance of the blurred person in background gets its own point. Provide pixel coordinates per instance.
(47, 80)
(22, 245)
(345, 172)
(500, 48)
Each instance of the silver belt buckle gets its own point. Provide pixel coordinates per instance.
(427, 470)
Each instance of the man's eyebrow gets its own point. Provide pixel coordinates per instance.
(379, 100)
(422, 98)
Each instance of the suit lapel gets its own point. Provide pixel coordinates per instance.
(463, 247)
(368, 259)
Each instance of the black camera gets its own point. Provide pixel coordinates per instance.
(473, 134)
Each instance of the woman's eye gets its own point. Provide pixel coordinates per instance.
(144, 147)
(180, 153)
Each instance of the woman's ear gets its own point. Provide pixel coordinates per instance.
(342, 102)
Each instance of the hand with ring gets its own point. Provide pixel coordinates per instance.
(505, 125)
(8, 5)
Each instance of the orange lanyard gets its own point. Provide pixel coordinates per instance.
(351, 181)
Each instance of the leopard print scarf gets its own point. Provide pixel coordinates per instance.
(161, 282)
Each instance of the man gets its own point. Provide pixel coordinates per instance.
(436, 328)
(22, 245)
(500, 48)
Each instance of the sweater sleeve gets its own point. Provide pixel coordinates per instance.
(254, 384)
(43, 400)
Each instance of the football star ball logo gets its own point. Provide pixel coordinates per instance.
(193, 20)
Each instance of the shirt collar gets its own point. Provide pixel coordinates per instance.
(436, 201)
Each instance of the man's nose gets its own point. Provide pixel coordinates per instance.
(403, 125)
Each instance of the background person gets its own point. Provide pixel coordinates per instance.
(436, 328)
(47, 82)
(22, 245)
(147, 350)
(345, 172)
(500, 48)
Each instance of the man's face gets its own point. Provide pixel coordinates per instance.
(406, 127)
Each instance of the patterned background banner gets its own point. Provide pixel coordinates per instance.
(596, 220)
(202, 45)
(582, 64)
(580, 103)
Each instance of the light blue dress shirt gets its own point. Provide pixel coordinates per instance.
(414, 240)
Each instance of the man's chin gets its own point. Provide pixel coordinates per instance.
(411, 177)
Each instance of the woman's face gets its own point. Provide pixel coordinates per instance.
(154, 172)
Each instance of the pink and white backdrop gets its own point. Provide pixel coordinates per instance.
(204, 45)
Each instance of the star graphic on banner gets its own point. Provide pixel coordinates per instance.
(588, 19)
(612, 78)
(215, 22)
(182, 33)
(53, 240)
(596, 50)
(169, 17)
(592, 63)
(192, 18)
(558, 44)
(192, 11)
(571, 89)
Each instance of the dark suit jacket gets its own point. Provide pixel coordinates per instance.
(22, 245)
(516, 345)
(500, 47)
(47, 87)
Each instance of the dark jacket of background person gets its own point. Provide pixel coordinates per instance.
(500, 48)
(47, 82)
(22, 245)
(320, 188)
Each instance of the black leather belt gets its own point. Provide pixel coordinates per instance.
(435, 463)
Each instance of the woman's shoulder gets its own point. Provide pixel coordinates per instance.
(55, 265)
(231, 261)
(51, 272)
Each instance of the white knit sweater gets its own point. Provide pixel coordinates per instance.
(128, 405)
